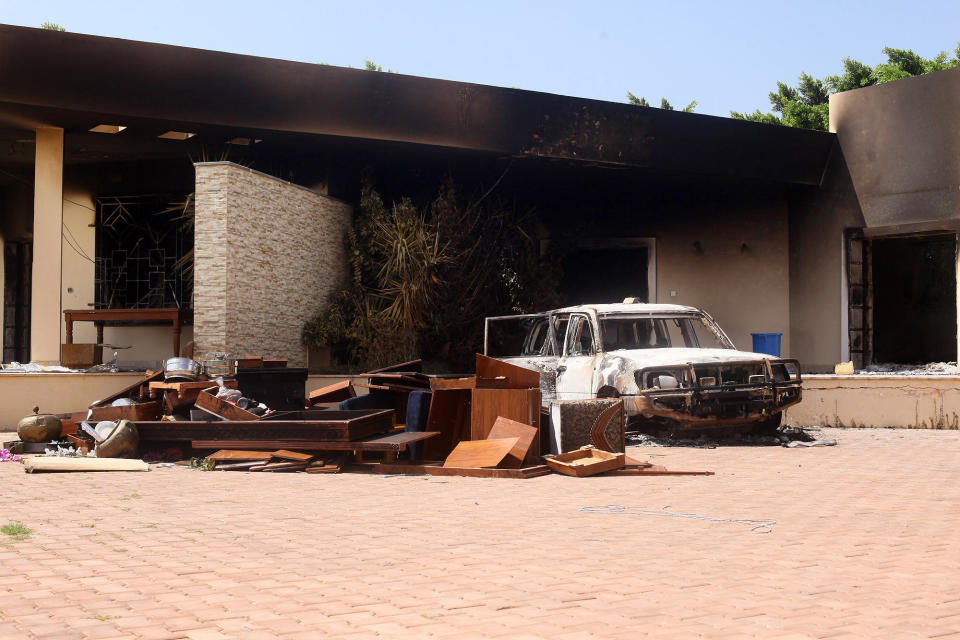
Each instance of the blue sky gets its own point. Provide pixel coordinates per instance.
(725, 55)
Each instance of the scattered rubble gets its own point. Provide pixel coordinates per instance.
(928, 369)
(485, 425)
(785, 436)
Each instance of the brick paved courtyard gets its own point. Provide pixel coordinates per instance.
(865, 545)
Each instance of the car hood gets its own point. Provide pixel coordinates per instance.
(670, 356)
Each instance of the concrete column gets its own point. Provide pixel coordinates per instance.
(45, 312)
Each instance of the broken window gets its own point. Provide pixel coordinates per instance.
(658, 332)
(518, 336)
(144, 252)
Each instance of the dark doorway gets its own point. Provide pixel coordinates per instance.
(17, 271)
(914, 299)
(596, 276)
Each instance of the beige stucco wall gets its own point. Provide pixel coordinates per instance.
(818, 309)
(55, 392)
(268, 255)
(47, 223)
(913, 402)
(745, 289)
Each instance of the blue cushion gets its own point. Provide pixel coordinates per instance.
(418, 409)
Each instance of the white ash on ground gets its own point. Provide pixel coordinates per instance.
(929, 369)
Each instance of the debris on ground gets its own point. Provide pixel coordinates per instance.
(252, 415)
(785, 436)
(928, 369)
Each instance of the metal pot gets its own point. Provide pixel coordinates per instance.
(215, 368)
(122, 442)
(181, 369)
(42, 427)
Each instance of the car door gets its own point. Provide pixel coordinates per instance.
(526, 341)
(577, 365)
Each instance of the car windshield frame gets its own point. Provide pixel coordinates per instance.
(723, 341)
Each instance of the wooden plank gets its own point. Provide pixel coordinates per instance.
(437, 470)
(333, 465)
(528, 442)
(238, 455)
(412, 365)
(394, 442)
(250, 362)
(54, 463)
(132, 391)
(336, 392)
(133, 412)
(486, 405)
(480, 453)
(516, 377)
(282, 466)
(238, 466)
(453, 383)
(655, 472)
(223, 409)
(296, 456)
(450, 417)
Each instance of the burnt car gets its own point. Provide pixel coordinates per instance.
(672, 365)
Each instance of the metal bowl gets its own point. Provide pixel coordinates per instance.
(181, 369)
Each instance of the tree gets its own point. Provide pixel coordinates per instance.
(52, 26)
(664, 103)
(808, 104)
(370, 65)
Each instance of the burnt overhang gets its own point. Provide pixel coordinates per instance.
(45, 73)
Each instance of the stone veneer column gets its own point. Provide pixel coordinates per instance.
(267, 256)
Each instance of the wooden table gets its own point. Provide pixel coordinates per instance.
(174, 316)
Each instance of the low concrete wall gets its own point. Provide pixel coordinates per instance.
(55, 392)
(911, 402)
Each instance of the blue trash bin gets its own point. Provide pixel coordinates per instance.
(768, 343)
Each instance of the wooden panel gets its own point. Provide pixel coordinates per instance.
(222, 409)
(250, 362)
(453, 383)
(340, 426)
(436, 470)
(516, 377)
(413, 365)
(333, 393)
(134, 412)
(480, 453)
(395, 442)
(450, 417)
(133, 391)
(528, 442)
(294, 455)
(224, 454)
(486, 405)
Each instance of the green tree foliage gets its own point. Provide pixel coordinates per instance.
(370, 65)
(807, 105)
(664, 103)
(52, 26)
(424, 276)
